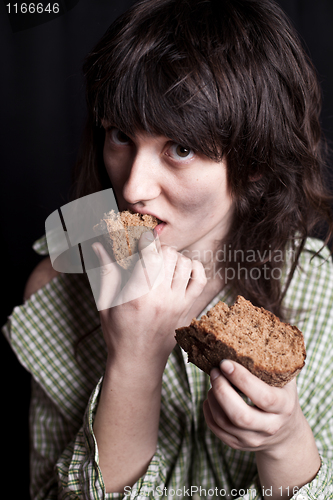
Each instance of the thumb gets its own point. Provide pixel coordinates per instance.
(152, 258)
(108, 280)
(102, 255)
(147, 241)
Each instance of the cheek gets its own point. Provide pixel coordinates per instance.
(202, 199)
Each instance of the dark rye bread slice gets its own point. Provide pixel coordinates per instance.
(124, 231)
(255, 338)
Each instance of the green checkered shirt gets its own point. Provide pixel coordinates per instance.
(190, 460)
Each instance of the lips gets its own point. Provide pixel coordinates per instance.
(159, 228)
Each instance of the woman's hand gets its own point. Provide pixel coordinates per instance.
(143, 323)
(271, 422)
(275, 428)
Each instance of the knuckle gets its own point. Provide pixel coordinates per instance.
(198, 274)
(254, 441)
(170, 256)
(186, 260)
(137, 304)
(289, 410)
(236, 444)
(218, 388)
(105, 270)
(219, 420)
(169, 251)
(199, 283)
(243, 420)
(198, 266)
(201, 280)
(269, 399)
(158, 304)
(186, 263)
(272, 429)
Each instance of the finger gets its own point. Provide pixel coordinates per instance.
(268, 398)
(151, 259)
(240, 414)
(110, 278)
(219, 416)
(220, 432)
(102, 255)
(182, 274)
(136, 283)
(147, 273)
(170, 258)
(147, 241)
(198, 280)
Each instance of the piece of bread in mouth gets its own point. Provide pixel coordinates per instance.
(270, 349)
(123, 233)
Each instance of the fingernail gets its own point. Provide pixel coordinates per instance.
(149, 236)
(214, 374)
(226, 366)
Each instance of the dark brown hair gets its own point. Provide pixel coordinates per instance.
(226, 78)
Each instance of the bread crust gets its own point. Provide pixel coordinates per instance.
(271, 350)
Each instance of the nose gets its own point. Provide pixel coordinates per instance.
(143, 182)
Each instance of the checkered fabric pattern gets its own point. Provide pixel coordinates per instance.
(56, 336)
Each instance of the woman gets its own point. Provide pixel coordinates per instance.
(206, 115)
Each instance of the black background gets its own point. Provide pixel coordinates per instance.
(42, 116)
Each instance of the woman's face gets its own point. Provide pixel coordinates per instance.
(186, 190)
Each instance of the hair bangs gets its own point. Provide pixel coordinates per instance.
(154, 98)
(154, 81)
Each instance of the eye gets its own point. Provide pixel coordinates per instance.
(118, 137)
(179, 152)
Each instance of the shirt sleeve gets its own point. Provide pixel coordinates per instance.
(70, 471)
(50, 432)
